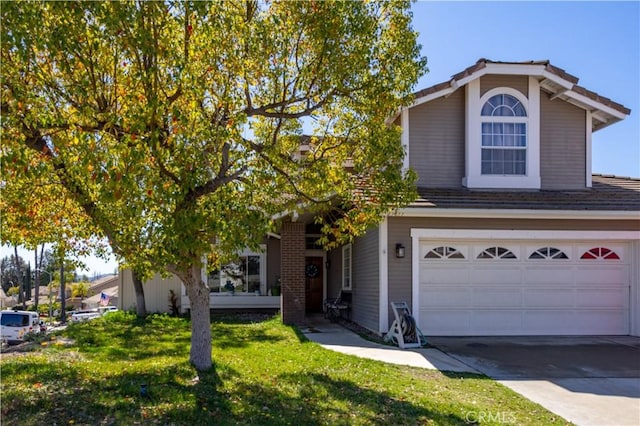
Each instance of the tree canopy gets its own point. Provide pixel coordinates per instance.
(176, 127)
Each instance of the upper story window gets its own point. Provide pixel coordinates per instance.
(504, 136)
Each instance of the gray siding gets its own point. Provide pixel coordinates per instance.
(491, 81)
(436, 141)
(562, 145)
(366, 284)
(399, 284)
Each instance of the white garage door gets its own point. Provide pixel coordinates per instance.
(523, 288)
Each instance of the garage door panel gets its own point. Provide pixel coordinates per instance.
(602, 276)
(432, 273)
(543, 275)
(544, 295)
(549, 321)
(485, 297)
(444, 322)
(549, 297)
(602, 298)
(498, 274)
(602, 321)
(496, 322)
(444, 297)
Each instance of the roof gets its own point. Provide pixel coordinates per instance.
(608, 193)
(554, 80)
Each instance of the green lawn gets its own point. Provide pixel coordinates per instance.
(265, 373)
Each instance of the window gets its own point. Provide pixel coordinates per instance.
(504, 136)
(600, 253)
(346, 267)
(497, 253)
(548, 253)
(444, 253)
(246, 274)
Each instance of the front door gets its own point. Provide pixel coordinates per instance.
(313, 284)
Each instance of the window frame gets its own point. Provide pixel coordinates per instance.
(473, 138)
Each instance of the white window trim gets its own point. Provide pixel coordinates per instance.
(349, 271)
(473, 131)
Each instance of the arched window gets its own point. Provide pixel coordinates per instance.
(497, 253)
(504, 136)
(548, 253)
(600, 253)
(444, 252)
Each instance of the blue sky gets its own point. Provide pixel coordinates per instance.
(598, 42)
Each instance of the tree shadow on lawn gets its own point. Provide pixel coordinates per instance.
(55, 393)
(317, 399)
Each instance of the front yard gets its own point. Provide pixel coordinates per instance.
(122, 370)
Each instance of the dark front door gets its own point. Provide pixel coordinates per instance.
(313, 284)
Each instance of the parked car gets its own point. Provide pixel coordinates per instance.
(84, 315)
(16, 324)
(89, 314)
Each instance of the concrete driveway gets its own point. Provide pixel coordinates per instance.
(586, 380)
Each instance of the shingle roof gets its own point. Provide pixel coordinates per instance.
(608, 193)
(482, 63)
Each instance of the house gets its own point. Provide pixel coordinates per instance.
(512, 233)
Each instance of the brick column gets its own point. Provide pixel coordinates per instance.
(292, 246)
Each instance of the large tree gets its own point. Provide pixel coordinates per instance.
(176, 126)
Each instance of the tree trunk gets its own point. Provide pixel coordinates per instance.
(198, 292)
(141, 307)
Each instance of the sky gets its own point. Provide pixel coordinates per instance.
(598, 42)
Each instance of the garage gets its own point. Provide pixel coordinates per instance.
(511, 286)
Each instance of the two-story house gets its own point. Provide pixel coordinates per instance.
(512, 234)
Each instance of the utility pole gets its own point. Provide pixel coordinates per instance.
(63, 298)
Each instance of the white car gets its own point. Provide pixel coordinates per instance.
(85, 315)
(16, 324)
(90, 314)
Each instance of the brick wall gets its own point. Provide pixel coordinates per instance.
(292, 248)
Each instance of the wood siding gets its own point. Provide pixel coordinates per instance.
(366, 284)
(491, 81)
(562, 145)
(436, 141)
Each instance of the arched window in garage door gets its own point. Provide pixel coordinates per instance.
(600, 253)
(496, 253)
(444, 252)
(548, 253)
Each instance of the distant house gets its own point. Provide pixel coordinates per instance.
(512, 233)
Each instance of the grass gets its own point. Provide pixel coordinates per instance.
(265, 373)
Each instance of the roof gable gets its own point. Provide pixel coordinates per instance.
(553, 80)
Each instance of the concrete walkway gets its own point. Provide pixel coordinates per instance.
(337, 338)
